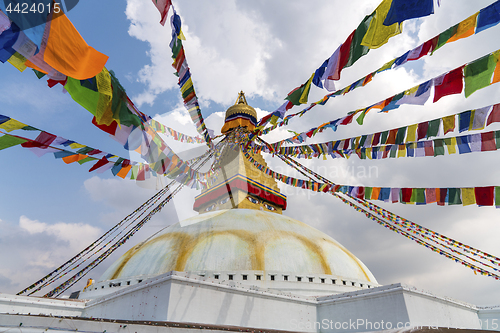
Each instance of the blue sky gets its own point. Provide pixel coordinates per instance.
(50, 210)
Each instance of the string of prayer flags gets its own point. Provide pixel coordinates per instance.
(164, 161)
(445, 84)
(423, 236)
(329, 70)
(450, 196)
(185, 81)
(467, 121)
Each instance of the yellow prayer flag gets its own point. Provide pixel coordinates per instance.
(449, 124)
(465, 28)
(104, 114)
(468, 196)
(75, 145)
(187, 85)
(401, 151)
(378, 34)
(451, 144)
(375, 193)
(368, 153)
(18, 61)
(305, 93)
(12, 124)
(411, 133)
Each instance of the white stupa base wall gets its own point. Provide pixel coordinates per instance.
(190, 299)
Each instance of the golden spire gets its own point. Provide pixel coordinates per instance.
(240, 115)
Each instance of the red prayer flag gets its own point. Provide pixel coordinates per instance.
(347, 120)
(376, 139)
(484, 195)
(391, 139)
(345, 49)
(442, 196)
(163, 6)
(488, 141)
(102, 162)
(43, 140)
(422, 130)
(111, 129)
(494, 116)
(452, 84)
(406, 194)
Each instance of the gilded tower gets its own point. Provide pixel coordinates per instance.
(239, 184)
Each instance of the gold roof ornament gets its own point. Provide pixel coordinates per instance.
(240, 115)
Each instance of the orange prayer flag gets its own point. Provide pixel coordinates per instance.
(465, 28)
(124, 171)
(68, 53)
(496, 73)
(74, 158)
(375, 193)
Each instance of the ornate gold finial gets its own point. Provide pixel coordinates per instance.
(241, 99)
(240, 115)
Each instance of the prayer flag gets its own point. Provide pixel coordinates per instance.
(163, 7)
(465, 28)
(378, 34)
(448, 84)
(468, 196)
(478, 73)
(454, 196)
(433, 129)
(448, 124)
(7, 141)
(402, 10)
(484, 195)
(488, 17)
(488, 141)
(68, 53)
(494, 116)
(357, 50)
(422, 130)
(299, 95)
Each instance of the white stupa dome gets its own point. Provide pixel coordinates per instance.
(237, 240)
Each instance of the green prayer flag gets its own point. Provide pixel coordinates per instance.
(394, 151)
(83, 96)
(368, 192)
(361, 118)
(497, 196)
(454, 196)
(497, 139)
(400, 136)
(438, 147)
(445, 36)
(383, 137)
(362, 141)
(87, 159)
(8, 141)
(357, 50)
(38, 73)
(478, 74)
(433, 128)
(299, 95)
(363, 154)
(419, 194)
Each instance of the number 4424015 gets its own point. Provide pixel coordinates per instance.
(25, 8)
